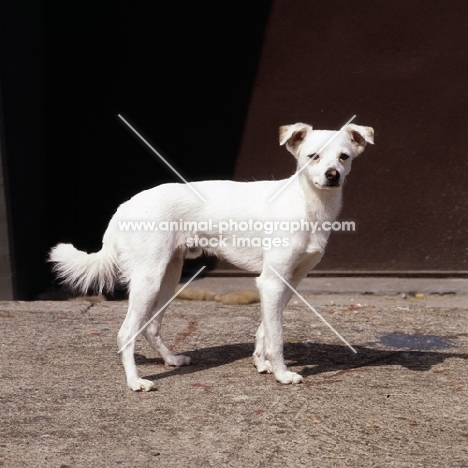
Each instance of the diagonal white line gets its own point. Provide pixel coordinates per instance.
(310, 160)
(162, 308)
(162, 159)
(313, 310)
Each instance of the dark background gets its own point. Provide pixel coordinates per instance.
(181, 73)
(208, 84)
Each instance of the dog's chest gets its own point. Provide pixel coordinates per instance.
(317, 241)
(321, 218)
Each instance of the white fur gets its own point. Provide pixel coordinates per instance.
(150, 263)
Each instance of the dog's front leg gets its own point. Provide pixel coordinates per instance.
(268, 355)
(259, 359)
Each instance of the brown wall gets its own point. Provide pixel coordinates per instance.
(401, 66)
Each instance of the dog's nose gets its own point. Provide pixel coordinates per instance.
(332, 175)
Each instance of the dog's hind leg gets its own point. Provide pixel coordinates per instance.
(153, 331)
(145, 287)
(140, 303)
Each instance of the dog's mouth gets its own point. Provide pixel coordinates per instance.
(328, 185)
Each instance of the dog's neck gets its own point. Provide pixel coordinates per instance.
(321, 204)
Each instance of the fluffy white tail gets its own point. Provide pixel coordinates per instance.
(82, 271)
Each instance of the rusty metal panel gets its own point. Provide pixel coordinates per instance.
(402, 68)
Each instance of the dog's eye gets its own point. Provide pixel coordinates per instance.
(344, 157)
(314, 156)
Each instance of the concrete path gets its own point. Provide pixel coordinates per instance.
(401, 401)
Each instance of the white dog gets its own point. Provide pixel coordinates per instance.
(150, 262)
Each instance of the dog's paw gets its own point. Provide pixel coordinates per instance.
(289, 378)
(263, 366)
(141, 385)
(177, 361)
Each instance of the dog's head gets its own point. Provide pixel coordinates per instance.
(325, 156)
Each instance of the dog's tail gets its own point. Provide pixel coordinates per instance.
(82, 271)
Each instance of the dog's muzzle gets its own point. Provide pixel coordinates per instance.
(333, 178)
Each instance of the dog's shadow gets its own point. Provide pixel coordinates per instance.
(314, 358)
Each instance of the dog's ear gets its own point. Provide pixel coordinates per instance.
(360, 136)
(293, 135)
